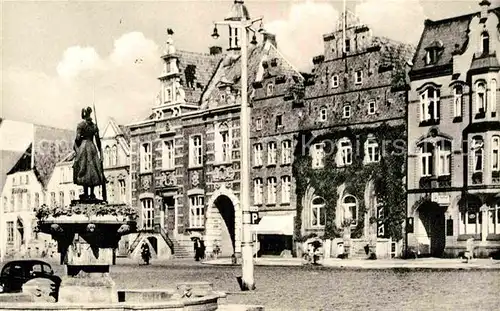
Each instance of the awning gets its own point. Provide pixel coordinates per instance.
(275, 224)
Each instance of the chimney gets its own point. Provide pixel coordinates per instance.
(271, 38)
(215, 50)
(485, 5)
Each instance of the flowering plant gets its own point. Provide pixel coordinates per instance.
(88, 210)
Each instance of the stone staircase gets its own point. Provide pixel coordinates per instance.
(183, 249)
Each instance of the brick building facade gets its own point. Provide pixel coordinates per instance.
(453, 131)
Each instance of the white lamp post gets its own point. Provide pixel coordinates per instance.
(239, 21)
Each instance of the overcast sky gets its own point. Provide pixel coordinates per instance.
(55, 53)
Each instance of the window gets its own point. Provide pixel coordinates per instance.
(53, 199)
(168, 159)
(114, 156)
(270, 89)
(258, 191)
(258, 124)
(147, 214)
(457, 101)
(12, 203)
(10, 232)
(197, 211)
(286, 152)
(146, 157)
(371, 107)
(37, 199)
(279, 121)
(318, 216)
(429, 104)
(107, 152)
(196, 151)
(494, 219)
(431, 56)
(334, 81)
(271, 190)
(223, 144)
(61, 198)
(257, 155)
(485, 43)
(347, 112)
(123, 190)
(345, 152)
(72, 195)
(372, 151)
(481, 98)
(285, 189)
(495, 153)
(350, 210)
(347, 45)
(28, 201)
(358, 77)
(323, 114)
(444, 157)
(5, 205)
(426, 160)
(63, 174)
(477, 154)
(493, 96)
(318, 155)
(470, 221)
(271, 153)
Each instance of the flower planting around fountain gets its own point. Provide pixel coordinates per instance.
(87, 234)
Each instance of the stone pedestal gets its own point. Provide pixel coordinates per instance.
(86, 242)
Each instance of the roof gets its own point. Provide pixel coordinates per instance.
(8, 159)
(202, 66)
(450, 33)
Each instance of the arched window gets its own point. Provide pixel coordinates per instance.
(444, 156)
(426, 159)
(457, 101)
(485, 43)
(372, 152)
(350, 210)
(495, 153)
(480, 97)
(223, 145)
(318, 212)
(114, 156)
(106, 156)
(429, 104)
(344, 156)
(477, 153)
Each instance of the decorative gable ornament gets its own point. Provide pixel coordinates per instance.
(195, 179)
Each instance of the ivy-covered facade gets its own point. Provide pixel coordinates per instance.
(349, 161)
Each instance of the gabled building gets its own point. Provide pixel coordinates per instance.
(349, 162)
(454, 136)
(26, 186)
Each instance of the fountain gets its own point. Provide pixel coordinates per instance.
(87, 233)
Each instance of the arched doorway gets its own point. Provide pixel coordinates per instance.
(227, 234)
(431, 229)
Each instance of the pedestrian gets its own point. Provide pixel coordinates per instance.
(145, 253)
(196, 250)
(202, 249)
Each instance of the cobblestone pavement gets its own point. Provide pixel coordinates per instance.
(324, 288)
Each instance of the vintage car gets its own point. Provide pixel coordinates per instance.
(18, 272)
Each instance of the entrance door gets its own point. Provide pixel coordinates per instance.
(169, 206)
(433, 220)
(227, 234)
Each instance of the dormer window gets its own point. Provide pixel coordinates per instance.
(334, 81)
(431, 56)
(485, 43)
(270, 89)
(347, 112)
(323, 114)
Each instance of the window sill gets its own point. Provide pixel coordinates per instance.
(270, 204)
(145, 172)
(286, 164)
(493, 237)
(457, 119)
(429, 122)
(168, 169)
(220, 163)
(193, 167)
(465, 237)
(257, 166)
(271, 165)
(195, 228)
(285, 203)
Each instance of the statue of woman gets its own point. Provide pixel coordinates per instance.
(87, 166)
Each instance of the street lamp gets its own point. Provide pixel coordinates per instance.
(239, 19)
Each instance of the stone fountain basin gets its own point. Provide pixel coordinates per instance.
(133, 299)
